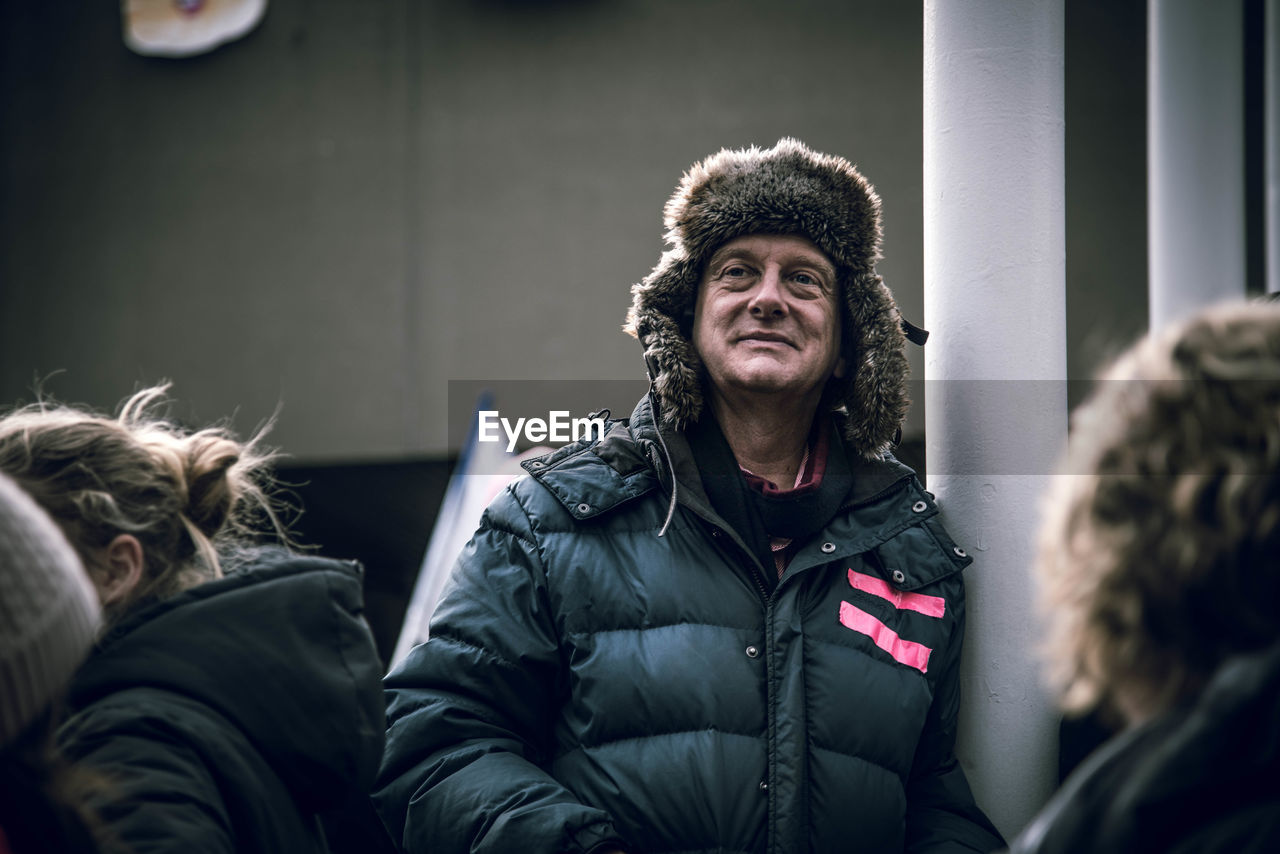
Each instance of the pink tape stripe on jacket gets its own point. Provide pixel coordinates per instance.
(905, 652)
(930, 606)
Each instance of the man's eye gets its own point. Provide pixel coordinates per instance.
(734, 272)
(807, 280)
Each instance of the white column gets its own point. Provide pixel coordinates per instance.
(1272, 120)
(1195, 155)
(996, 409)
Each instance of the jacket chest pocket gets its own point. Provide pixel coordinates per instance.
(904, 626)
(898, 601)
(875, 654)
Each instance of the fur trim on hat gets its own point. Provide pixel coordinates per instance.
(787, 189)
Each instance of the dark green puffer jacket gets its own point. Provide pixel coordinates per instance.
(588, 683)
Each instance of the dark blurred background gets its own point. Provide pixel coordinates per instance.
(359, 202)
(360, 212)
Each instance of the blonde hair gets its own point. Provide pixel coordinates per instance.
(1158, 552)
(183, 494)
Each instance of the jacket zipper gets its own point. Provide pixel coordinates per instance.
(717, 532)
(766, 598)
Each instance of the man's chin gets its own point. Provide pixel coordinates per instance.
(766, 383)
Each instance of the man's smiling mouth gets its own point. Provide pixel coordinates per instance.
(765, 338)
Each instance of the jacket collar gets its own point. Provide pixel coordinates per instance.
(630, 460)
(203, 648)
(591, 477)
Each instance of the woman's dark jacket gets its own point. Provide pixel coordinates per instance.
(588, 683)
(228, 717)
(1201, 778)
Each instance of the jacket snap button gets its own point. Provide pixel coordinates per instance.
(960, 552)
(715, 532)
(828, 548)
(898, 576)
(536, 464)
(584, 508)
(919, 507)
(764, 785)
(753, 652)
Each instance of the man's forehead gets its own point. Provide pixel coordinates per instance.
(788, 246)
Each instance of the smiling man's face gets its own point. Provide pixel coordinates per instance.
(767, 321)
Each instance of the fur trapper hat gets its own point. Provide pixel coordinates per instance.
(787, 189)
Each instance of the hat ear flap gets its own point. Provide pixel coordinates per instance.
(677, 372)
(876, 380)
(670, 288)
(659, 305)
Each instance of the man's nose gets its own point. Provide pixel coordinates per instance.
(767, 299)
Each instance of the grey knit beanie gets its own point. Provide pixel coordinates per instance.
(787, 189)
(49, 612)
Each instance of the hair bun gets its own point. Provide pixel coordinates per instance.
(211, 494)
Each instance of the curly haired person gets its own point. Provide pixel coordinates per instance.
(1159, 564)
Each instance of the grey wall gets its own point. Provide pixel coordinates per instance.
(361, 202)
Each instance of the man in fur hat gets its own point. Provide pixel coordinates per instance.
(733, 623)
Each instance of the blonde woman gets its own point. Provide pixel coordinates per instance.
(228, 709)
(1160, 572)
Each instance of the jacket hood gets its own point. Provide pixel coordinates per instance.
(787, 189)
(281, 650)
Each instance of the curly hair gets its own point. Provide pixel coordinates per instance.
(1157, 554)
(184, 495)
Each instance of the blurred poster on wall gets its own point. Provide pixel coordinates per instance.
(178, 28)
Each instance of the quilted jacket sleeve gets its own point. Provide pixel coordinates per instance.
(942, 816)
(470, 712)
